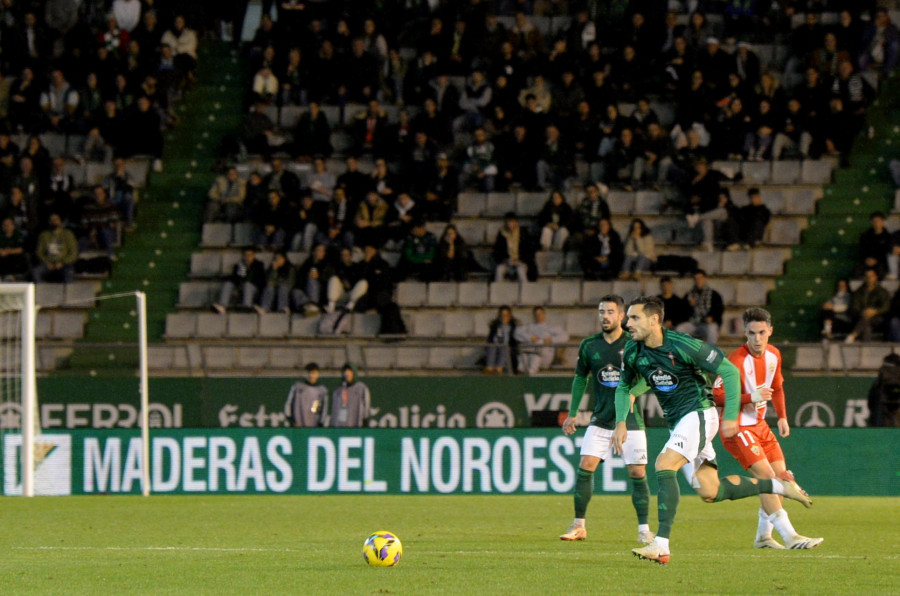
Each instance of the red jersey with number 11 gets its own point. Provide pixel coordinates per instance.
(756, 372)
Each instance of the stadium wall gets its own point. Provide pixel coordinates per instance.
(398, 402)
(411, 461)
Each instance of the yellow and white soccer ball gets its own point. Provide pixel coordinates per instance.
(382, 549)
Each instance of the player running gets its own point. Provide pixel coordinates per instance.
(755, 446)
(600, 363)
(678, 367)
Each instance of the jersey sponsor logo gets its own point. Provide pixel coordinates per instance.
(608, 376)
(663, 380)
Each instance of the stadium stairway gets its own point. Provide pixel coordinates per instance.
(155, 256)
(828, 246)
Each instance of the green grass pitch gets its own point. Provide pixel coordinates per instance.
(452, 545)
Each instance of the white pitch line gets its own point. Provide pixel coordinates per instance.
(165, 548)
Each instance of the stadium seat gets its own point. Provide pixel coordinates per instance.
(469, 357)
(211, 325)
(95, 171)
(325, 357)
(503, 292)
(458, 324)
(48, 295)
(160, 357)
(565, 292)
(215, 235)
(242, 325)
(80, 294)
(206, 264)
(252, 357)
(284, 358)
(550, 262)
(750, 293)
(628, 290)
(620, 202)
(138, 168)
(411, 293)
(756, 172)
(785, 232)
(582, 322)
(380, 357)
(68, 325)
(289, 116)
(735, 263)
(302, 326)
(773, 199)
(412, 357)
(499, 203)
(767, 261)
(471, 204)
(42, 327)
(365, 324)
(711, 262)
(218, 357)
(196, 294)
(591, 291)
(471, 230)
(427, 324)
(801, 201)
(529, 204)
(785, 171)
(648, 201)
(482, 321)
(442, 293)
(729, 168)
(816, 171)
(181, 325)
(443, 357)
(274, 325)
(472, 293)
(244, 234)
(725, 289)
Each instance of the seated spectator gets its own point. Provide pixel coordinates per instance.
(706, 310)
(99, 224)
(383, 181)
(256, 133)
(144, 132)
(57, 251)
(283, 180)
(347, 284)
(554, 165)
(794, 136)
(418, 254)
(271, 220)
(312, 135)
(676, 308)
(533, 339)
(321, 182)
(355, 183)
(753, 219)
(453, 258)
(502, 352)
(893, 333)
(400, 218)
(836, 312)
(601, 253)
(379, 278)
(718, 223)
(309, 223)
(513, 252)
(265, 86)
(248, 278)
(759, 139)
(517, 156)
(880, 45)
(20, 212)
(58, 198)
(555, 221)
(370, 129)
(339, 231)
(473, 103)
(279, 283)
(14, 262)
(640, 251)
(226, 198)
(480, 169)
(59, 103)
(370, 220)
(657, 156)
(120, 188)
(441, 191)
(875, 244)
(183, 42)
(592, 208)
(312, 274)
(869, 307)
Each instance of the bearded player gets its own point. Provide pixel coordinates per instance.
(680, 370)
(755, 446)
(600, 363)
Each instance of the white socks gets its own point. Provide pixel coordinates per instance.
(782, 523)
(643, 527)
(579, 521)
(663, 544)
(764, 529)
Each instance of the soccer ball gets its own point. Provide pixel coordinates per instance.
(382, 549)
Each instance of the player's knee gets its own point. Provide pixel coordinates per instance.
(637, 472)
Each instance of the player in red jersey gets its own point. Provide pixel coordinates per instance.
(754, 445)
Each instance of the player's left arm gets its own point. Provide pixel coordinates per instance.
(731, 383)
(778, 401)
(624, 402)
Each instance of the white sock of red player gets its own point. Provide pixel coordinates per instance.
(764, 529)
(782, 523)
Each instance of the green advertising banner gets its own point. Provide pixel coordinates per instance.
(397, 402)
(438, 461)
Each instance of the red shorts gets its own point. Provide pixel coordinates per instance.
(752, 444)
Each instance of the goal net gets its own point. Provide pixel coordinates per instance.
(19, 420)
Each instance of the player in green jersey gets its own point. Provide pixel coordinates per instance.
(600, 364)
(680, 370)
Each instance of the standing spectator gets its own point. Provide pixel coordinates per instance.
(602, 253)
(533, 339)
(480, 168)
(145, 132)
(120, 188)
(869, 306)
(226, 198)
(836, 312)
(753, 219)
(451, 262)
(311, 276)
(707, 310)
(677, 310)
(183, 42)
(555, 221)
(13, 258)
(513, 252)
(57, 250)
(880, 44)
(874, 247)
(640, 251)
(307, 400)
(502, 350)
(347, 284)
(100, 224)
(418, 254)
(247, 278)
(279, 283)
(351, 402)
